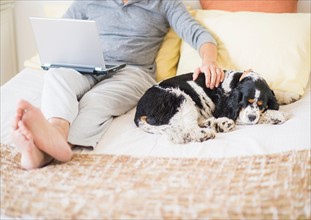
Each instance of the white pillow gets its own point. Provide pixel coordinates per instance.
(277, 46)
(56, 9)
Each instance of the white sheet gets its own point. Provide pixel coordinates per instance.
(123, 137)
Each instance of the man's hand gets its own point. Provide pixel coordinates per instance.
(214, 75)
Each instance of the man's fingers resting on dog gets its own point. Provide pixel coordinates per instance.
(213, 80)
(196, 73)
(213, 75)
(220, 76)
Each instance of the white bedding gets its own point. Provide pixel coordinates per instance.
(123, 137)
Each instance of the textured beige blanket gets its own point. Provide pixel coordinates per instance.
(93, 186)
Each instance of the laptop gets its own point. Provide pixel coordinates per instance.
(70, 43)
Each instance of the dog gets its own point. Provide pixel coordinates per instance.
(188, 111)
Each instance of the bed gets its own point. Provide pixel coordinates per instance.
(253, 172)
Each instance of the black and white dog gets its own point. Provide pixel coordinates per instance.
(187, 111)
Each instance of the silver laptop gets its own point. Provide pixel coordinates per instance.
(70, 43)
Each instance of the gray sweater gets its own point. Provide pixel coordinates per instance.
(133, 33)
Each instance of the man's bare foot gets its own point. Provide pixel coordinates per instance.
(38, 134)
(32, 157)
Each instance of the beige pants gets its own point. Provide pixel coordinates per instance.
(89, 103)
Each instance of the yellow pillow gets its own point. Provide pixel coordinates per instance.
(168, 54)
(275, 45)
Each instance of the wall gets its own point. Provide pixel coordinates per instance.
(26, 47)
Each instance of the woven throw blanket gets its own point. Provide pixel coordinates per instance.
(91, 186)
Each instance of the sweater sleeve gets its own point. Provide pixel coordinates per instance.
(76, 10)
(185, 26)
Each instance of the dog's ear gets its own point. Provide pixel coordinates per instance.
(235, 79)
(272, 102)
(234, 104)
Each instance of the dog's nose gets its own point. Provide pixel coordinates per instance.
(252, 117)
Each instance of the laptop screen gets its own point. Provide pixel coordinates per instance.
(68, 42)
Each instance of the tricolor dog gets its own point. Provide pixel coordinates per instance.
(187, 110)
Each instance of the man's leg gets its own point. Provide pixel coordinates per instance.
(107, 99)
(38, 139)
(32, 157)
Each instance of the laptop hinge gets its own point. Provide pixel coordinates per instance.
(99, 69)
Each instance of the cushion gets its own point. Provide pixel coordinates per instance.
(168, 54)
(33, 62)
(55, 9)
(277, 46)
(274, 6)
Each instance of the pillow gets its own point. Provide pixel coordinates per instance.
(55, 9)
(277, 46)
(281, 6)
(33, 62)
(168, 54)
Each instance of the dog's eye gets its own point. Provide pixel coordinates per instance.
(259, 103)
(251, 101)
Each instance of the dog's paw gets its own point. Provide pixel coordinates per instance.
(223, 124)
(206, 134)
(220, 124)
(285, 98)
(200, 135)
(274, 117)
(195, 135)
(207, 123)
